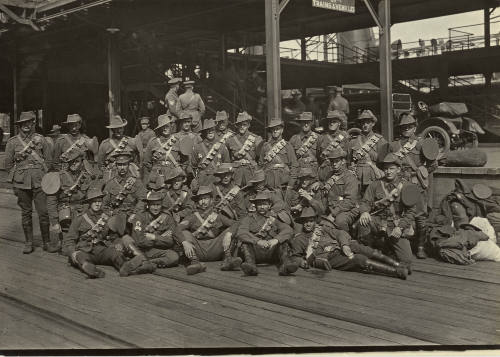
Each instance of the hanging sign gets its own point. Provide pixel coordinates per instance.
(337, 5)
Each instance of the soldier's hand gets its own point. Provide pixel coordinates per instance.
(396, 232)
(150, 236)
(316, 186)
(19, 156)
(304, 264)
(365, 219)
(347, 251)
(305, 194)
(131, 218)
(262, 243)
(271, 243)
(226, 241)
(188, 249)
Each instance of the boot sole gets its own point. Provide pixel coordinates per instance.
(249, 269)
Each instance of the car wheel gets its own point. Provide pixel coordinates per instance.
(440, 135)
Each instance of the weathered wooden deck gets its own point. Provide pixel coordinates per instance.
(44, 303)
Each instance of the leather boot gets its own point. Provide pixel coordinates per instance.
(87, 267)
(195, 266)
(44, 230)
(137, 265)
(230, 262)
(421, 252)
(28, 236)
(400, 272)
(287, 266)
(248, 266)
(55, 243)
(378, 255)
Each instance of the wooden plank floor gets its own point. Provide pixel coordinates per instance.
(55, 306)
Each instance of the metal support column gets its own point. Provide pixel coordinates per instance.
(325, 48)
(386, 115)
(273, 60)
(487, 38)
(114, 85)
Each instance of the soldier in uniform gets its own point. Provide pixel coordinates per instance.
(186, 138)
(324, 247)
(332, 138)
(226, 193)
(365, 150)
(388, 212)
(305, 142)
(339, 103)
(53, 135)
(118, 142)
(418, 158)
(221, 120)
(207, 155)
(278, 158)
(172, 98)
(243, 150)
(162, 151)
(207, 235)
(177, 198)
(27, 158)
(258, 184)
(192, 104)
(90, 242)
(341, 191)
(304, 195)
(265, 239)
(144, 136)
(66, 192)
(74, 139)
(153, 232)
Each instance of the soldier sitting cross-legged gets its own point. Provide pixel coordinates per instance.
(207, 235)
(153, 232)
(264, 238)
(325, 247)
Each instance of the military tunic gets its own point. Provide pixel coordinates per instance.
(108, 147)
(248, 233)
(306, 157)
(236, 207)
(245, 160)
(26, 170)
(179, 202)
(156, 158)
(387, 217)
(133, 201)
(282, 169)
(324, 141)
(208, 246)
(364, 163)
(172, 102)
(160, 248)
(204, 175)
(342, 199)
(192, 103)
(64, 142)
(101, 252)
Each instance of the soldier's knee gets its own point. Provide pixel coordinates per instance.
(457, 208)
(359, 260)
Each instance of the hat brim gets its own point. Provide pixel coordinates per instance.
(161, 126)
(93, 198)
(373, 119)
(24, 120)
(116, 126)
(205, 129)
(275, 125)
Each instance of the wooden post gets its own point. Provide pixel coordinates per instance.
(386, 115)
(15, 85)
(273, 60)
(487, 38)
(114, 84)
(325, 48)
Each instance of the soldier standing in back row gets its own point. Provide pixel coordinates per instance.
(418, 159)
(172, 98)
(365, 151)
(221, 121)
(278, 158)
(243, 146)
(117, 143)
(305, 143)
(27, 157)
(74, 139)
(192, 104)
(333, 137)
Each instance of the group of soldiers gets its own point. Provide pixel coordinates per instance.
(188, 192)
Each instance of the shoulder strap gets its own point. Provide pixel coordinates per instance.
(89, 221)
(198, 216)
(33, 153)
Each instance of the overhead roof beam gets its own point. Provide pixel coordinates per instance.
(19, 19)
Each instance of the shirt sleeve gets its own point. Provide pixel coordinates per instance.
(368, 198)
